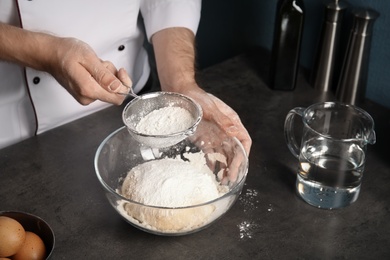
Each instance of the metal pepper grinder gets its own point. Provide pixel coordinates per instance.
(322, 76)
(352, 84)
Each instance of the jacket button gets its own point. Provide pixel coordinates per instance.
(121, 48)
(36, 80)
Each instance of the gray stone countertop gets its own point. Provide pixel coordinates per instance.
(52, 175)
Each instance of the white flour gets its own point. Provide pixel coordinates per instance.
(169, 183)
(166, 120)
(172, 183)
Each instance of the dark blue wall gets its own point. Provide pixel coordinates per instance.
(229, 27)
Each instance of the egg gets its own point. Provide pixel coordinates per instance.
(33, 248)
(12, 236)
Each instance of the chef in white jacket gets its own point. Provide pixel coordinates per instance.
(61, 60)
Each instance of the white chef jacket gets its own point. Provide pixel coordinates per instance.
(32, 102)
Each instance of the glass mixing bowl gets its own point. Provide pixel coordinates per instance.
(225, 156)
(139, 107)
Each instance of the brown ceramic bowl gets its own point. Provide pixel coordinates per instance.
(36, 225)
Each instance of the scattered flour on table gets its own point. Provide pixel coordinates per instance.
(166, 120)
(172, 182)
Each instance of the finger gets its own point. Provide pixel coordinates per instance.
(234, 167)
(104, 73)
(237, 129)
(110, 66)
(244, 137)
(124, 78)
(105, 83)
(90, 90)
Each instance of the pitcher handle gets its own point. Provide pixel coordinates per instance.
(289, 133)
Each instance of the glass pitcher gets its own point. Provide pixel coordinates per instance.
(332, 152)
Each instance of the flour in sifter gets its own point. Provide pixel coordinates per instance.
(166, 120)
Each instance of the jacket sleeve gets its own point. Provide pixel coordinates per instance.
(162, 14)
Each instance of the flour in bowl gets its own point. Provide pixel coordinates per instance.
(166, 120)
(172, 182)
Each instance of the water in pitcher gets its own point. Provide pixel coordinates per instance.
(327, 178)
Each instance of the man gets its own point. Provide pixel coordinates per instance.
(80, 45)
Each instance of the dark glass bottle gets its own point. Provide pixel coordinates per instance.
(287, 44)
